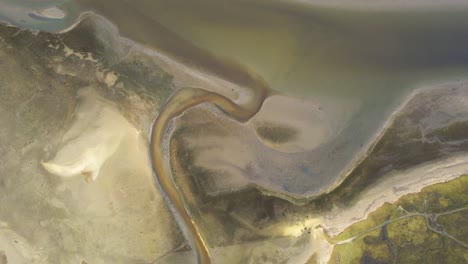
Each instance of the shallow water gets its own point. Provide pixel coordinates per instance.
(40, 15)
(372, 56)
(298, 50)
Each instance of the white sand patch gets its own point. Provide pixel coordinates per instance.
(50, 13)
(121, 213)
(95, 135)
(86, 56)
(287, 249)
(110, 79)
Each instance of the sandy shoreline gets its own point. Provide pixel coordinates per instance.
(394, 186)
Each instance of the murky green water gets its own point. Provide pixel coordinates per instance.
(309, 51)
(375, 57)
(298, 50)
(372, 57)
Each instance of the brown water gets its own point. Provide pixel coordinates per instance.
(309, 50)
(373, 57)
(186, 98)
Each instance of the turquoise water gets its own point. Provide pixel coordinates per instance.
(24, 13)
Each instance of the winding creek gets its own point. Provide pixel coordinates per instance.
(177, 104)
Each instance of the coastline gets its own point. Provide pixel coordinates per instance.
(409, 181)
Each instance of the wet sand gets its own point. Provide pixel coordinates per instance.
(180, 102)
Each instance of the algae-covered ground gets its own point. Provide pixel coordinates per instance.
(426, 227)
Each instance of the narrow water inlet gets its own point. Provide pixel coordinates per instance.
(177, 104)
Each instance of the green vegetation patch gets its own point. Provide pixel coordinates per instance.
(148, 79)
(455, 131)
(426, 227)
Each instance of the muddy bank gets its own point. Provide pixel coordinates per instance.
(420, 147)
